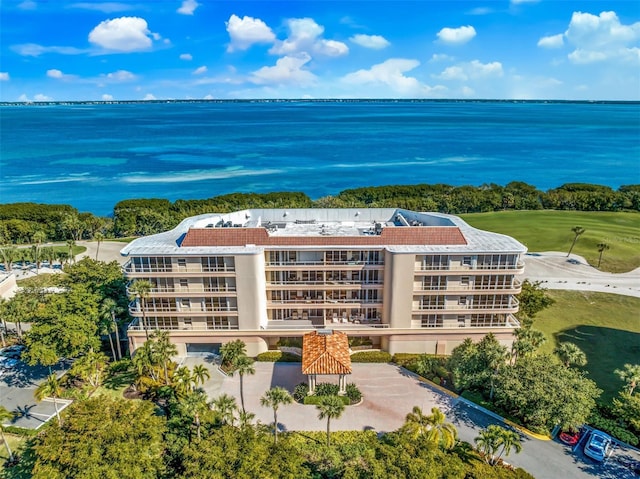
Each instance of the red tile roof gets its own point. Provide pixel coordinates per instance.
(410, 235)
(326, 353)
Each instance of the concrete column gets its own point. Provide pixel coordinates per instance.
(399, 272)
(312, 383)
(251, 290)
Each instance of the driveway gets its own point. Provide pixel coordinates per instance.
(389, 394)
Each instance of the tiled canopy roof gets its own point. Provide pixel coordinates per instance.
(414, 235)
(325, 353)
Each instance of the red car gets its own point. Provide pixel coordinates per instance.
(569, 437)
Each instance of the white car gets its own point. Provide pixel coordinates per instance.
(7, 363)
(598, 445)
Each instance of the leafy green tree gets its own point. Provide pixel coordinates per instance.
(105, 438)
(140, 290)
(274, 398)
(39, 237)
(243, 365)
(577, 232)
(164, 350)
(6, 415)
(107, 322)
(9, 255)
(194, 405)
(630, 375)
(70, 245)
(330, 407)
(434, 427)
(627, 407)
(602, 247)
(225, 406)
(50, 387)
(569, 354)
(527, 342)
(90, 367)
(533, 299)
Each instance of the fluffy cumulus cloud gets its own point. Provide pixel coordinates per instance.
(471, 71)
(305, 35)
(375, 42)
(288, 70)
(188, 7)
(552, 41)
(38, 97)
(53, 73)
(107, 97)
(119, 76)
(186, 56)
(602, 37)
(391, 74)
(247, 31)
(4, 76)
(149, 97)
(456, 36)
(124, 34)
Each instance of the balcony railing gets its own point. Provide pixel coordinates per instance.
(479, 267)
(136, 326)
(149, 309)
(325, 263)
(325, 301)
(323, 282)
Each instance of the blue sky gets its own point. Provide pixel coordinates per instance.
(183, 49)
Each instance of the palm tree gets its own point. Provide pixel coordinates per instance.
(225, 406)
(433, 427)
(243, 365)
(577, 231)
(528, 340)
(38, 238)
(5, 415)
(9, 254)
(183, 381)
(70, 245)
(569, 354)
(488, 442)
(630, 375)
(99, 237)
(194, 404)
(50, 387)
(140, 289)
(164, 350)
(107, 309)
(330, 407)
(200, 374)
(602, 247)
(273, 398)
(509, 440)
(231, 350)
(90, 367)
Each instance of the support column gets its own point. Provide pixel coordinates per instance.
(342, 382)
(312, 383)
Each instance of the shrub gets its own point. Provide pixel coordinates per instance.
(300, 392)
(326, 389)
(292, 342)
(315, 400)
(20, 431)
(404, 359)
(120, 366)
(359, 341)
(353, 393)
(371, 357)
(600, 419)
(278, 357)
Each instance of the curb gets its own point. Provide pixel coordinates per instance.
(522, 429)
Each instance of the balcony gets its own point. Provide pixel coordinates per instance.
(515, 268)
(172, 291)
(496, 288)
(136, 326)
(133, 270)
(150, 310)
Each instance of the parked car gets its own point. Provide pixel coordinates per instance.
(7, 363)
(570, 437)
(598, 445)
(14, 352)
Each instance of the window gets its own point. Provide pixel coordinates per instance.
(184, 283)
(464, 281)
(466, 260)
(462, 301)
(182, 262)
(185, 303)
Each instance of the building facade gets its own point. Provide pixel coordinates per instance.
(392, 279)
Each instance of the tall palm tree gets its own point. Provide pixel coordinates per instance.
(9, 255)
(570, 353)
(630, 375)
(194, 404)
(50, 387)
(183, 381)
(273, 398)
(140, 290)
(164, 350)
(577, 231)
(602, 247)
(99, 237)
(433, 427)
(330, 407)
(509, 440)
(200, 374)
(225, 406)
(70, 245)
(243, 365)
(231, 350)
(105, 324)
(488, 442)
(90, 367)
(39, 237)
(6, 415)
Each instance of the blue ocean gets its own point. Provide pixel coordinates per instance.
(94, 155)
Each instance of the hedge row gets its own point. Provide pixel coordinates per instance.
(315, 400)
(278, 357)
(371, 357)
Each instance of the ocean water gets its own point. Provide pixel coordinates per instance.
(94, 155)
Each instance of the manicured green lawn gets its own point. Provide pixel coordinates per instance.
(605, 326)
(551, 231)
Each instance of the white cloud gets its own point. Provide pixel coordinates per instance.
(456, 36)
(305, 35)
(602, 37)
(53, 73)
(246, 31)
(208, 97)
(4, 76)
(186, 57)
(28, 5)
(107, 97)
(480, 11)
(124, 34)
(552, 41)
(287, 70)
(518, 2)
(188, 7)
(200, 70)
(149, 97)
(392, 74)
(440, 57)
(35, 50)
(119, 76)
(376, 42)
(471, 71)
(104, 7)
(41, 97)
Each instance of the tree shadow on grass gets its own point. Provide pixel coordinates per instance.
(120, 380)
(606, 349)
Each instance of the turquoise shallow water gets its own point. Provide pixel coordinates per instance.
(93, 155)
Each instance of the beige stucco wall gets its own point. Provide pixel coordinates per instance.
(252, 291)
(8, 286)
(398, 288)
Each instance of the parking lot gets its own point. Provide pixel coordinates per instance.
(17, 388)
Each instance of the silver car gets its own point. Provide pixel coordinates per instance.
(598, 445)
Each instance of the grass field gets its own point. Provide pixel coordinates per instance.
(605, 326)
(551, 231)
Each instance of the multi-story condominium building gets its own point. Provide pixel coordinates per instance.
(395, 279)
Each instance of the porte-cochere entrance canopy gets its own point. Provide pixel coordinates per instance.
(326, 352)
